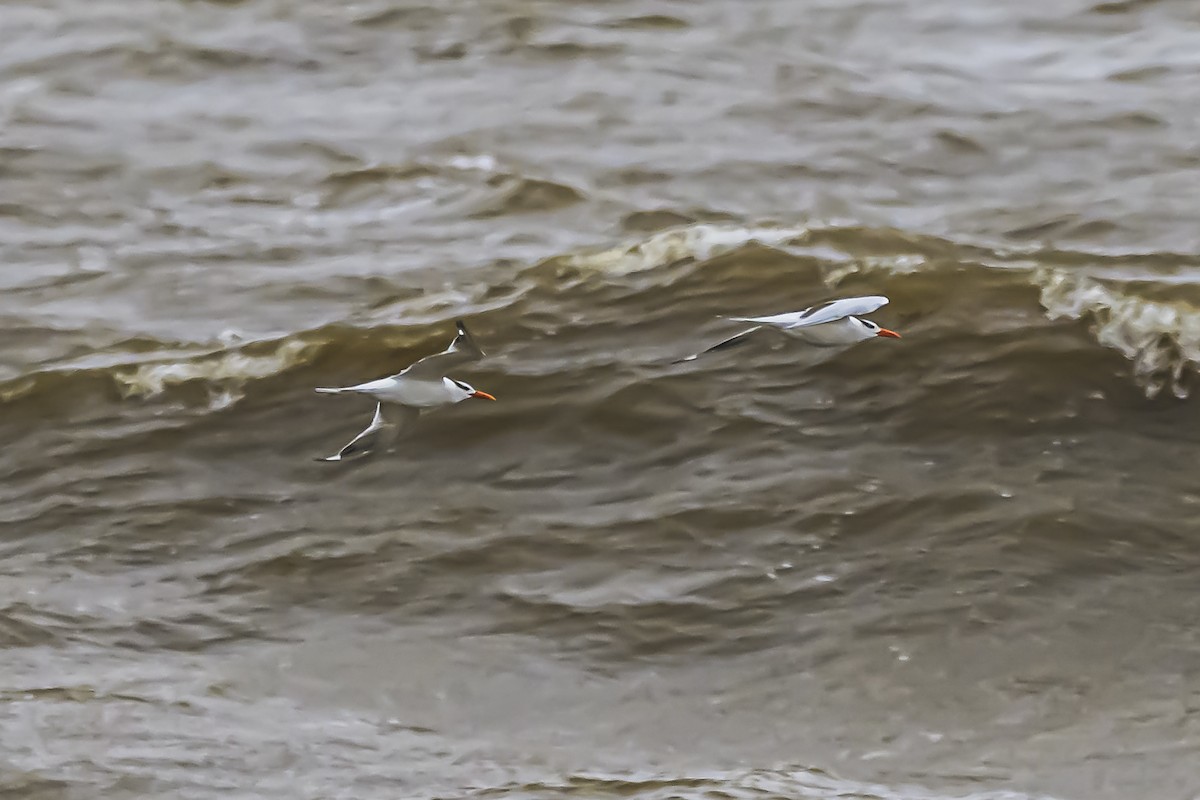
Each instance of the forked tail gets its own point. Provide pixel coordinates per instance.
(323, 390)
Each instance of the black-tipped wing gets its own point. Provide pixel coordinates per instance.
(732, 341)
(829, 311)
(461, 351)
(376, 436)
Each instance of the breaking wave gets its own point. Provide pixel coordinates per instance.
(764, 784)
(1162, 339)
(1159, 334)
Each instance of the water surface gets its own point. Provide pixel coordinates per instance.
(957, 565)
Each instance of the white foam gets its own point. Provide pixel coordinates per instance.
(701, 241)
(483, 162)
(224, 373)
(906, 264)
(1162, 339)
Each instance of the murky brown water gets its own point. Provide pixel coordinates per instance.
(959, 565)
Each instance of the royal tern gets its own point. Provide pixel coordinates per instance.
(422, 385)
(826, 325)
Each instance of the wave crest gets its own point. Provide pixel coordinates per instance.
(224, 373)
(1155, 324)
(698, 242)
(1162, 339)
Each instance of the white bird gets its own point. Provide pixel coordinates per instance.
(422, 385)
(829, 324)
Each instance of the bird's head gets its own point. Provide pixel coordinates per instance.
(869, 330)
(460, 390)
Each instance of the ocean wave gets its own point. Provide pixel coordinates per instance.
(1159, 334)
(1162, 339)
(698, 242)
(226, 370)
(512, 194)
(781, 784)
(224, 374)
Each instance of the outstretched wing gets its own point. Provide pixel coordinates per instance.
(376, 436)
(732, 341)
(820, 314)
(461, 351)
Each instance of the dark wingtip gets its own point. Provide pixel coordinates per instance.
(463, 333)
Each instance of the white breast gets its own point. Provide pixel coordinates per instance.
(408, 392)
(846, 330)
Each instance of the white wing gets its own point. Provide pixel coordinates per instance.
(376, 436)
(462, 350)
(820, 314)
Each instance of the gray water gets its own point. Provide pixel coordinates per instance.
(961, 564)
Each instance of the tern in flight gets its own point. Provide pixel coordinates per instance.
(837, 322)
(421, 386)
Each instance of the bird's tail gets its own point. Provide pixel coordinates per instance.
(323, 390)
